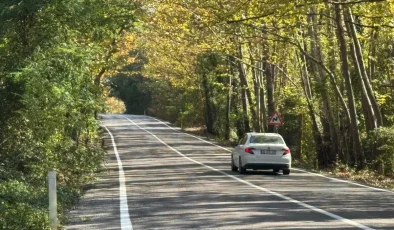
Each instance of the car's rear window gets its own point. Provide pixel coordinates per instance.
(266, 140)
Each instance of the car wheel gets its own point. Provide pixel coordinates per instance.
(234, 168)
(286, 171)
(276, 170)
(242, 170)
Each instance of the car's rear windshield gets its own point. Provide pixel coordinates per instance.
(266, 140)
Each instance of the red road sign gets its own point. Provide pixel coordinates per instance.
(275, 119)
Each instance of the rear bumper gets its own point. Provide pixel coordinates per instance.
(266, 166)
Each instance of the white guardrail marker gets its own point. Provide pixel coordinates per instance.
(52, 199)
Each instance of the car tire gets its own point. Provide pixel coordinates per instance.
(286, 171)
(242, 170)
(276, 170)
(234, 168)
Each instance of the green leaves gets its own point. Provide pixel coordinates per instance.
(22, 206)
(383, 140)
(50, 55)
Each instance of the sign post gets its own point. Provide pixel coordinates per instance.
(52, 199)
(275, 120)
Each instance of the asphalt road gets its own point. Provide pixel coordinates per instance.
(166, 179)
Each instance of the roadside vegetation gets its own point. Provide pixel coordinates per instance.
(325, 66)
(53, 57)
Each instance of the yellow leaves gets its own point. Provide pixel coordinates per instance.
(172, 38)
(383, 98)
(114, 105)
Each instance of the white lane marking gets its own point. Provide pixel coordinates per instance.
(125, 221)
(228, 150)
(297, 169)
(334, 216)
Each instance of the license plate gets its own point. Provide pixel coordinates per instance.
(270, 152)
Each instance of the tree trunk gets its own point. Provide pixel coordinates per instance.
(270, 85)
(312, 113)
(208, 106)
(256, 86)
(332, 64)
(375, 106)
(372, 55)
(246, 90)
(228, 103)
(299, 136)
(369, 115)
(357, 147)
(327, 118)
(263, 112)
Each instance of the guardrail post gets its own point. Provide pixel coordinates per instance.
(52, 200)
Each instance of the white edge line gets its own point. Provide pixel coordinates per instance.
(228, 150)
(125, 221)
(334, 216)
(297, 169)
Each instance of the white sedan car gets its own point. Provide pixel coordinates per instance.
(261, 151)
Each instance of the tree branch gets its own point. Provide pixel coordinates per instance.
(355, 2)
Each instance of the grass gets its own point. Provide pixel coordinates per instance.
(364, 176)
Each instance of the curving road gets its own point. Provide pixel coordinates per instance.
(160, 178)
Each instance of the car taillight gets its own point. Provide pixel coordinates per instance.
(249, 150)
(287, 151)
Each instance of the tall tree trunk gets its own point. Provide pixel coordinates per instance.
(308, 95)
(357, 147)
(369, 115)
(245, 110)
(332, 65)
(270, 84)
(245, 107)
(208, 106)
(332, 79)
(263, 113)
(270, 81)
(327, 118)
(375, 106)
(300, 137)
(256, 86)
(237, 102)
(372, 54)
(228, 101)
(246, 90)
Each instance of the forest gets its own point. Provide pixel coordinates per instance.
(325, 65)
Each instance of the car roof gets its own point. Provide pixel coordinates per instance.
(265, 134)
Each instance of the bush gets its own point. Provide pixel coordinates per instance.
(22, 206)
(383, 141)
(114, 105)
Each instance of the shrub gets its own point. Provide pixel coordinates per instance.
(114, 105)
(383, 141)
(22, 206)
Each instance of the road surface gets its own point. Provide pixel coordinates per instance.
(160, 178)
